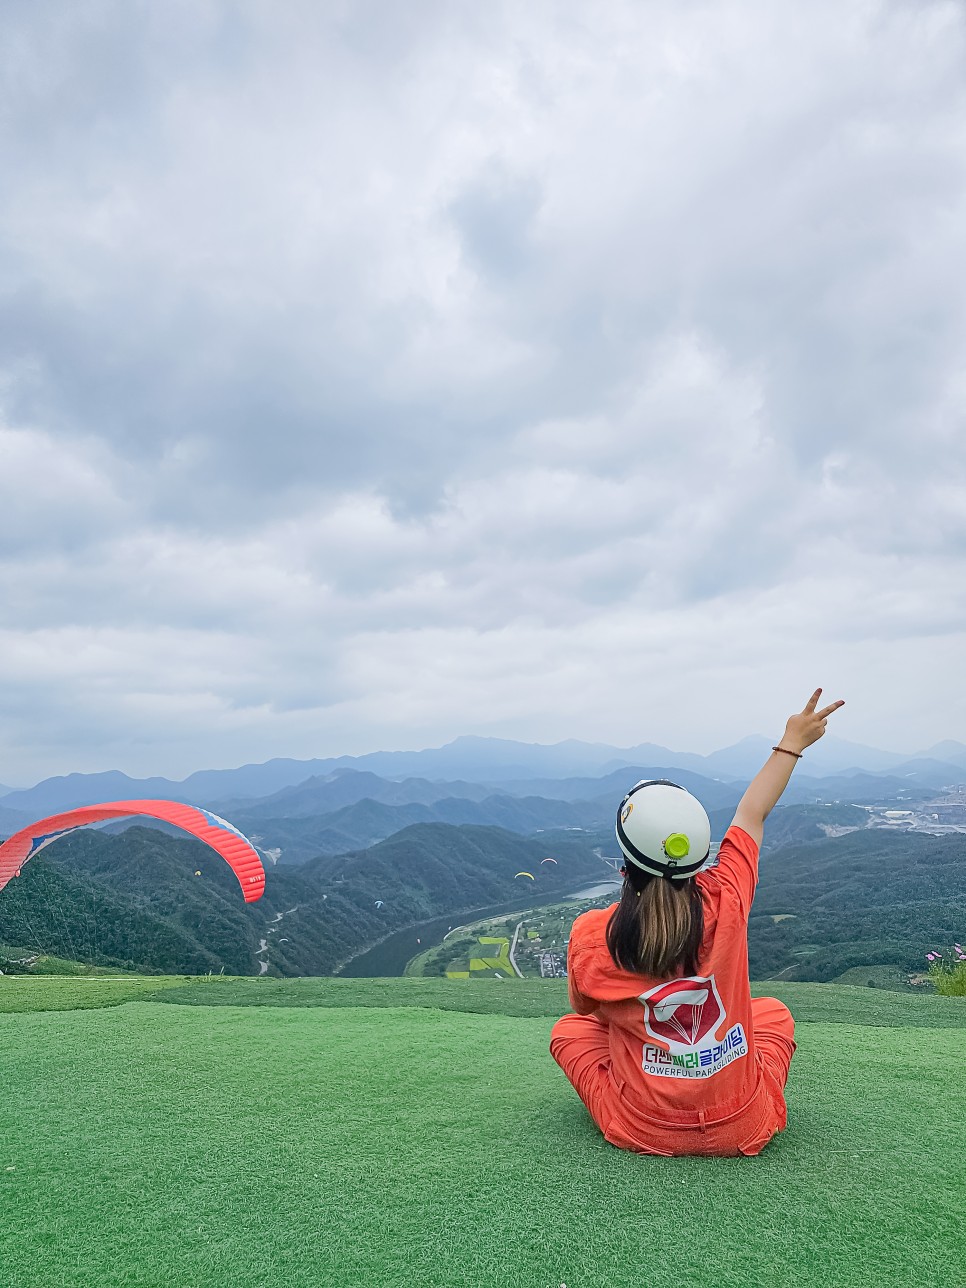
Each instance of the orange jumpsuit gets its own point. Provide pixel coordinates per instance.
(690, 1065)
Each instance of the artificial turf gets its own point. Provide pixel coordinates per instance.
(342, 1144)
(524, 998)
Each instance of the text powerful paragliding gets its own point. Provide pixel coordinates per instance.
(237, 851)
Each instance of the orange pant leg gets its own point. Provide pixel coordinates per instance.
(774, 1035)
(580, 1045)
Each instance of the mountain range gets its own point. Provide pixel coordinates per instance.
(498, 764)
(346, 809)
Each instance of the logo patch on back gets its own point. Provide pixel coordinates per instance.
(684, 1015)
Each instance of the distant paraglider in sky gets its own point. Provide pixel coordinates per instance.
(549, 860)
(525, 874)
(380, 903)
(237, 851)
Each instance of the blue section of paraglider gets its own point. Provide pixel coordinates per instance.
(39, 842)
(215, 821)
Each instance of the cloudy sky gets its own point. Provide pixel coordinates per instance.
(374, 373)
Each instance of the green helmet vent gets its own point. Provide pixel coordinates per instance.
(677, 846)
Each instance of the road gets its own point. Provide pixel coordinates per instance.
(513, 949)
(263, 944)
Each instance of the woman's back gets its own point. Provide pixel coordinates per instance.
(684, 1046)
(683, 1061)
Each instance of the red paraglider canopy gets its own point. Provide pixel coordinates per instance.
(238, 852)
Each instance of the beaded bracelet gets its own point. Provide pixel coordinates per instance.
(796, 754)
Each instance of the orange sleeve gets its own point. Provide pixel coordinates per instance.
(592, 977)
(582, 1005)
(737, 866)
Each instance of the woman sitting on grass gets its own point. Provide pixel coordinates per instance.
(668, 1050)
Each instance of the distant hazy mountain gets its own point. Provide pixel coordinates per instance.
(711, 794)
(296, 840)
(4, 790)
(367, 822)
(869, 789)
(306, 820)
(322, 794)
(11, 821)
(351, 809)
(952, 753)
(501, 760)
(830, 756)
(56, 794)
(300, 836)
(488, 761)
(346, 787)
(926, 772)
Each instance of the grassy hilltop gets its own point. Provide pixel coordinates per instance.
(414, 1133)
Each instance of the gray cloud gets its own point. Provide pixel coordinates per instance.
(370, 375)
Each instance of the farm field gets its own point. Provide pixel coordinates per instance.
(541, 930)
(541, 937)
(236, 1132)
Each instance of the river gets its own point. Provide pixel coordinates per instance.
(595, 891)
(390, 955)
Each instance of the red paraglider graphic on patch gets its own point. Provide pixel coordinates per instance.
(683, 1012)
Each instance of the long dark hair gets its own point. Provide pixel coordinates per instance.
(658, 926)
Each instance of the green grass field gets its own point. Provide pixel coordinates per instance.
(414, 1132)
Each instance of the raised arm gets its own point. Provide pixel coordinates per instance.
(771, 780)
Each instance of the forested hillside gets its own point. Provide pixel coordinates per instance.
(149, 901)
(865, 898)
(146, 900)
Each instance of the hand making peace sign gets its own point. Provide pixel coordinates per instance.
(809, 725)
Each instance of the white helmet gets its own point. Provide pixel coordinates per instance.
(663, 829)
